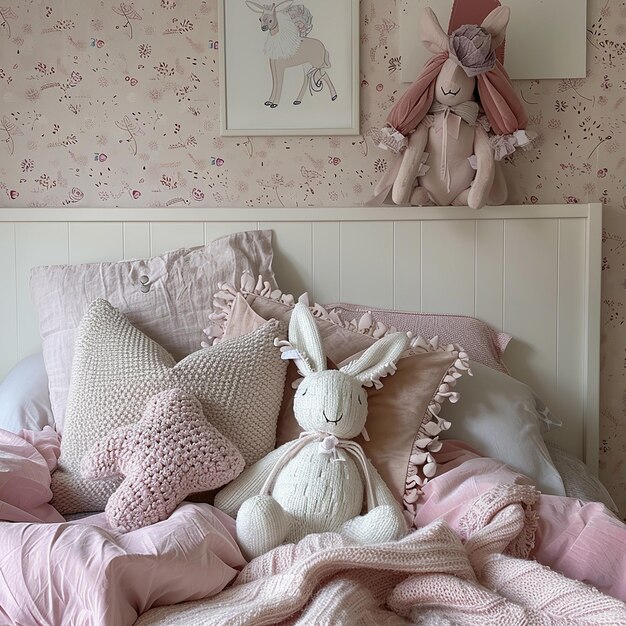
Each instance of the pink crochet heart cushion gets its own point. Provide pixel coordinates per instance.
(170, 452)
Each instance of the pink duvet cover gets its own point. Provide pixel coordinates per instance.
(85, 573)
(26, 460)
(584, 541)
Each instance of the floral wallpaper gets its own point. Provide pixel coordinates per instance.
(117, 104)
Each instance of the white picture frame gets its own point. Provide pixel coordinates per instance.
(544, 39)
(282, 98)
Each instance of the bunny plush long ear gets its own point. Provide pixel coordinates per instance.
(305, 338)
(495, 24)
(378, 360)
(432, 35)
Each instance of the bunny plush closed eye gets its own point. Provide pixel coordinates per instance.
(319, 482)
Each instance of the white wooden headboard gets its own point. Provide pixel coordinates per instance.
(532, 271)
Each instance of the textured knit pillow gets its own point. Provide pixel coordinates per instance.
(166, 297)
(403, 417)
(482, 343)
(170, 452)
(117, 369)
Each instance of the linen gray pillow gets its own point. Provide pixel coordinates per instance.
(168, 297)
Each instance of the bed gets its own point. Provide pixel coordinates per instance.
(497, 262)
(530, 271)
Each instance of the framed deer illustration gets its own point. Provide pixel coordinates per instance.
(290, 67)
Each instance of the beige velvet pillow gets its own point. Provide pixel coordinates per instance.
(117, 369)
(167, 297)
(401, 416)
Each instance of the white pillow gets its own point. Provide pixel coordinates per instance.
(500, 417)
(24, 398)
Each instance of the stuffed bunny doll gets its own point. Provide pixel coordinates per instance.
(318, 482)
(448, 142)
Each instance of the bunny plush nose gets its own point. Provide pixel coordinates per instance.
(332, 417)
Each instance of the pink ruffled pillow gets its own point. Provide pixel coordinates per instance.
(483, 344)
(170, 452)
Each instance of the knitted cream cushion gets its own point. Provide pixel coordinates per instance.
(117, 369)
(170, 452)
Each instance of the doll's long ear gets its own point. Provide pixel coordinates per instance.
(432, 35)
(305, 338)
(495, 24)
(378, 360)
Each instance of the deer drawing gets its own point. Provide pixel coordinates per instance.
(288, 45)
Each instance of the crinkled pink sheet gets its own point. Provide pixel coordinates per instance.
(84, 572)
(26, 460)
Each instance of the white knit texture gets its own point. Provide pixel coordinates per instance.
(117, 369)
(320, 482)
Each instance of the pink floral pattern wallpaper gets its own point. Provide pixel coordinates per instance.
(116, 104)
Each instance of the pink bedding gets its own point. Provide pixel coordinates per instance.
(85, 573)
(26, 460)
(429, 577)
(584, 541)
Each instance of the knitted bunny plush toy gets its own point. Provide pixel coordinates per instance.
(318, 483)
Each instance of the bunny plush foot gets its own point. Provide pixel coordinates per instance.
(462, 199)
(383, 523)
(262, 524)
(420, 197)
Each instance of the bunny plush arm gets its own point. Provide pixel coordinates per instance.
(410, 165)
(385, 522)
(248, 483)
(485, 171)
(482, 187)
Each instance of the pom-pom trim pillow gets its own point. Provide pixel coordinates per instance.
(403, 419)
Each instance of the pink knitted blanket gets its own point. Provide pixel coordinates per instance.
(432, 577)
